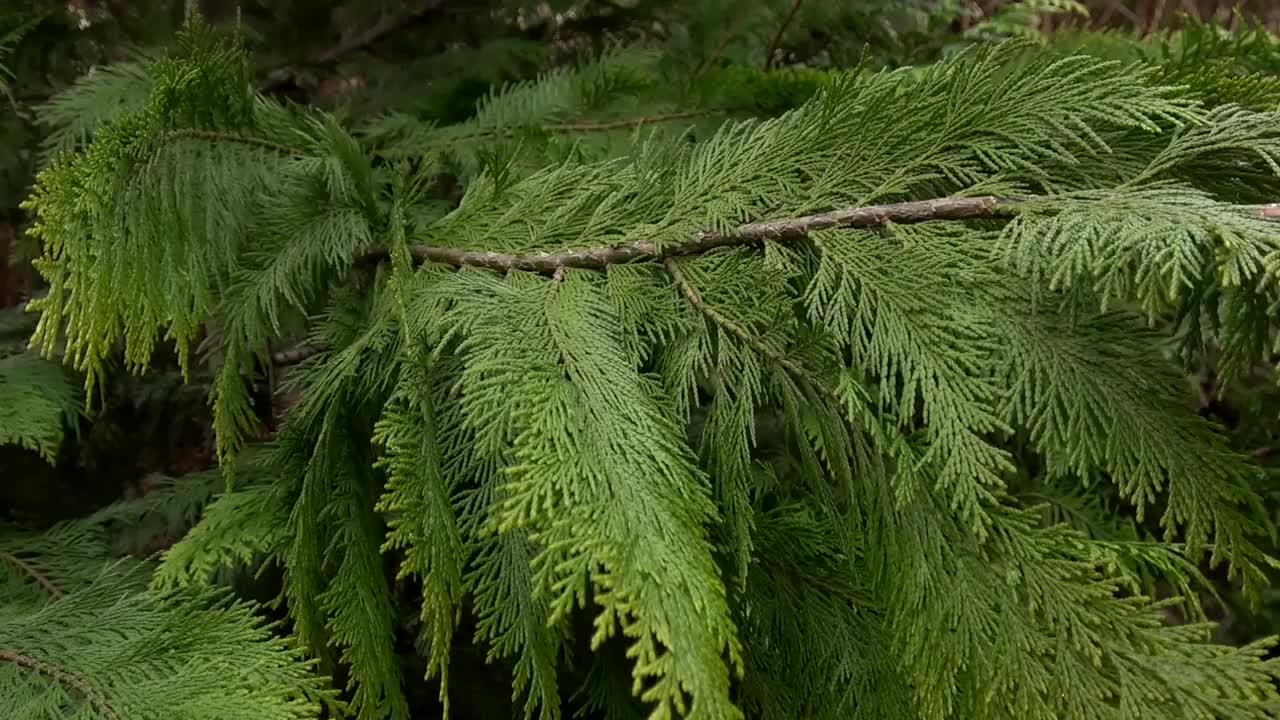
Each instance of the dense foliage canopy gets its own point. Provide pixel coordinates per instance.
(657, 360)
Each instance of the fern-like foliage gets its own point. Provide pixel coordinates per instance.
(81, 636)
(647, 397)
(39, 399)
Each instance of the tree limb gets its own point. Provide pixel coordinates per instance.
(295, 355)
(914, 211)
(753, 233)
(51, 671)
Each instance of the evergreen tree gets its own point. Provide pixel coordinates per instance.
(775, 390)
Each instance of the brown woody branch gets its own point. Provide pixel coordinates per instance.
(295, 355)
(384, 26)
(754, 233)
(776, 41)
(915, 211)
(30, 570)
(62, 676)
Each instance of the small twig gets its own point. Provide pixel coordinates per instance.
(215, 136)
(95, 699)
(790, 366)
(293, 356)
(776, 42)
(41, 579)
(272, 386)
(729, 31)
(585, 126)
(385, 26)
(630, 122)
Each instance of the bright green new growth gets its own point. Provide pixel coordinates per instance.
(794, 477)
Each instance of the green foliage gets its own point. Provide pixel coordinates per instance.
(847, 471)
(38, 398)
(36, 403)
(72, 115)
(12, 29)
(81, 636)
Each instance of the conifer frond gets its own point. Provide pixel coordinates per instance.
(422, 521)
(761, 309)
(37, 567)
(1032, 605)
(110, 652)
(612, 468)
(168, 509)
(513, 617)
(235, 529)
(38, 402)
(357, 600)
(815, 646)
(1128, 420)
(335, 586)
(16, 24)
(100, 96)
(1162, 247)
(899, 310)
(323, 210)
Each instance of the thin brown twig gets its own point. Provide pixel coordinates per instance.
(27, 568)
(64, 677)
(730, 30)
(385, 26)
(216, 136)
(295, 355)
(776, 41)
(584, 126)
(631, 122)
(790, 366)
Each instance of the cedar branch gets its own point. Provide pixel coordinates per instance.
(753, 233)
(596, 258)
(63, 677)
